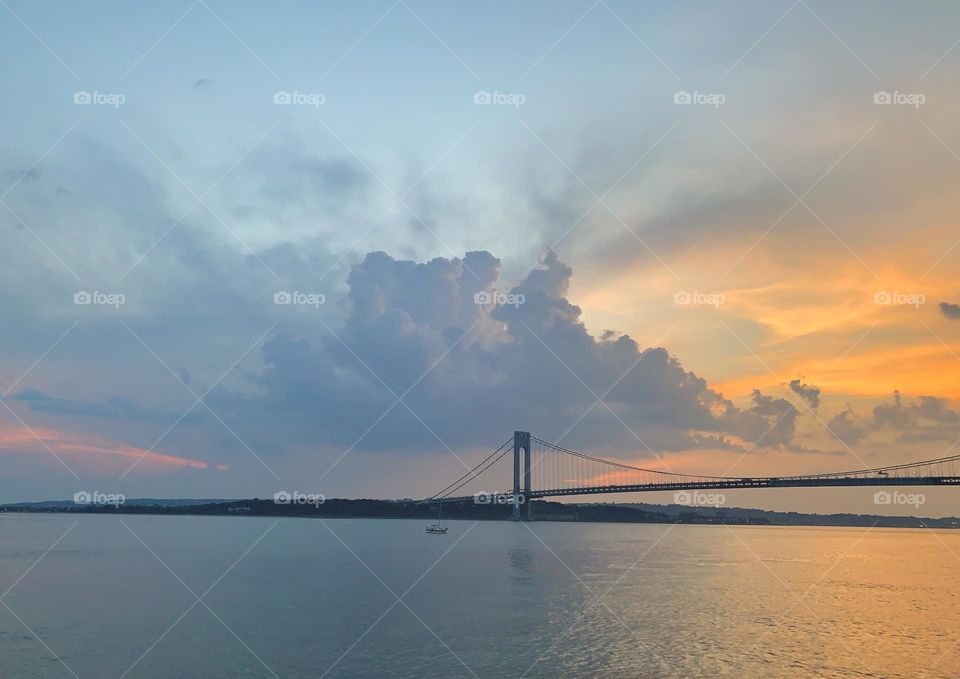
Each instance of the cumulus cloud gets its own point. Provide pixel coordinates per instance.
(807, 392)
(928, 418)
(769, 421)
(418, 360)
(845, 427)
(891, 414)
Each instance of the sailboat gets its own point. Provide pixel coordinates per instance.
(436, 527)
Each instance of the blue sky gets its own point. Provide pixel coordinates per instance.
(796, 200)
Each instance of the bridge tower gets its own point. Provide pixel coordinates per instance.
(521, 496)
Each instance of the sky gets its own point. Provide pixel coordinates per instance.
(719, 239)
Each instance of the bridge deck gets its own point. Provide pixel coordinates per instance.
(566, 472)
(794, 482)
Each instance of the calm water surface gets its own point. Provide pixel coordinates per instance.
(288, 599)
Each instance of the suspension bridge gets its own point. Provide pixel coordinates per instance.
(542, 469)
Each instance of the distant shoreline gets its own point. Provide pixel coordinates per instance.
(541, 511)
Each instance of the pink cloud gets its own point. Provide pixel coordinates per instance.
(89, 448)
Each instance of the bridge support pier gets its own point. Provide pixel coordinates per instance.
(527, 481)
(521, 495)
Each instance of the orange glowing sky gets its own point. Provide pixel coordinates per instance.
(816, 318)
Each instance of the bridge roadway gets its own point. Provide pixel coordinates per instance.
(729, 484)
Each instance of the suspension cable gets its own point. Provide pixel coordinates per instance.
(895, 467)
(473, 473)
(468, 480)
(620, 464)
(908, 465)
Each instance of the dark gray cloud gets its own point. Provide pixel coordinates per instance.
(807, 392)
(928, 418)
(115, 407)
(950, 310)
(44, 403)
(30, 174)
(769, 421)
(892, 414)
(844, 427)
(470, 372)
